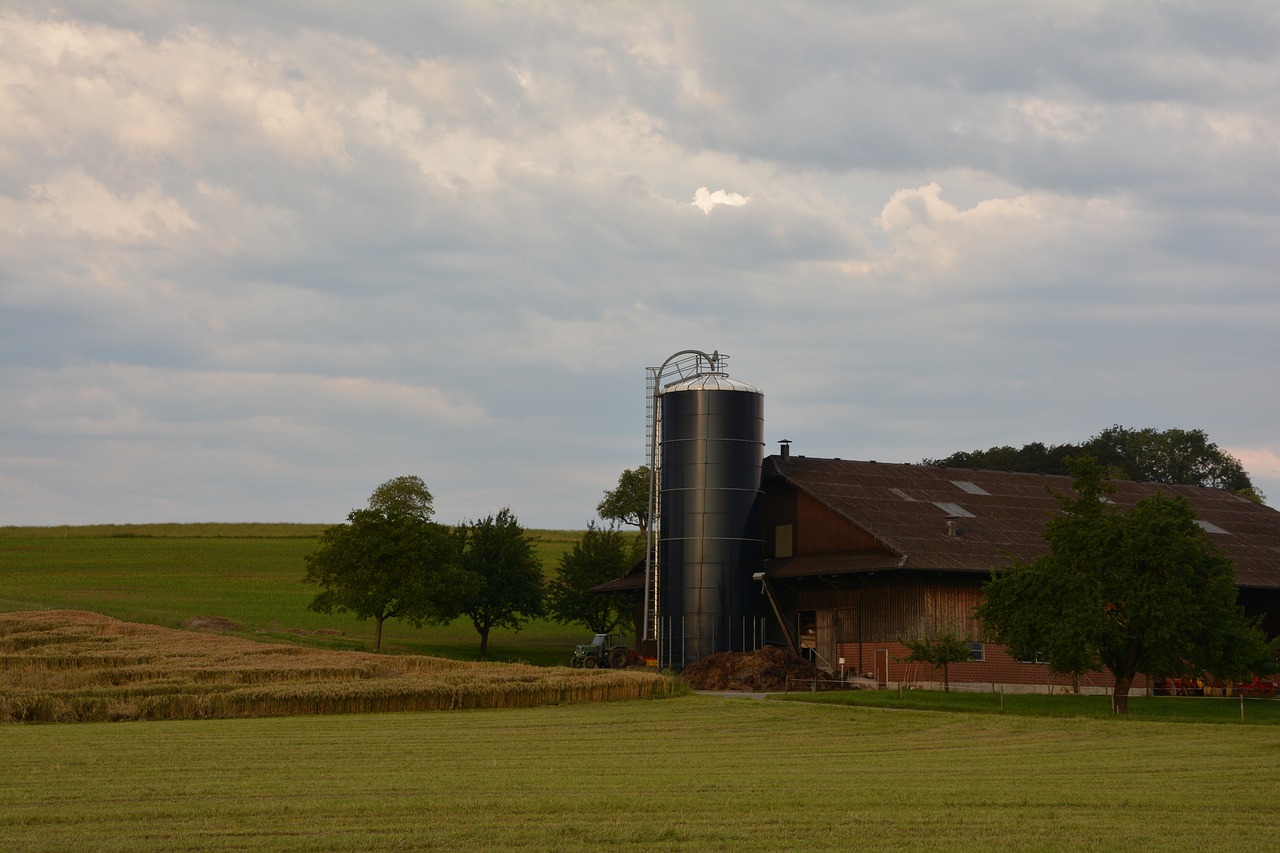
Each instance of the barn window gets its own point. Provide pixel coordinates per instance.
(1208, 526)
(783, 540)
(977, 651)
(1032, 657)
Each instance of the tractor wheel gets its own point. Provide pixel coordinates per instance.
(590, 663)
(618, 659)
(576, 663)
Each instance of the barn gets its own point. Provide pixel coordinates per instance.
(843, 559)
(859, 554)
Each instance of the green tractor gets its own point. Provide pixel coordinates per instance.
(606, 650)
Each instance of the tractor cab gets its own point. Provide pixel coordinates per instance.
(604, 650)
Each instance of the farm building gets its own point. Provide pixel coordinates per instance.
(858, 555)
(843, 559)
(861, 554)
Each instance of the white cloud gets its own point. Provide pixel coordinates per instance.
(1060, 120)
(706, 200)
(77, 205)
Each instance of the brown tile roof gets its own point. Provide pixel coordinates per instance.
(905, 507)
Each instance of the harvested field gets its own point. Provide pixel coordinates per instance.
(762, 671)
(73, 666)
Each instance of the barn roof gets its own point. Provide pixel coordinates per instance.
(996, 514)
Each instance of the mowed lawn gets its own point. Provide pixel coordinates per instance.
(250, 574)
(693, 773)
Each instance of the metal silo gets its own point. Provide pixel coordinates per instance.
(707, 445)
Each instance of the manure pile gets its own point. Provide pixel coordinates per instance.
(762, 671)
(73, 666)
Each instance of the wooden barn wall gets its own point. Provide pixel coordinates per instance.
(889, 610)
(821, 531)
(779, 506)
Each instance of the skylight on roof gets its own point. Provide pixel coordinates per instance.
(902, 494)
(1208, 526)
(953, 509)
(971, 488)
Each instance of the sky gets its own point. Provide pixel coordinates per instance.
(257, 258)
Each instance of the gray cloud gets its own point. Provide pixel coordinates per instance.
(261, 257)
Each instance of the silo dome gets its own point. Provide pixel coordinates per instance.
(711, 382)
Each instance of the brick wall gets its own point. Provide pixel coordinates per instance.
(998, 669)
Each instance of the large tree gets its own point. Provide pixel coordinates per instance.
(1141, 590)
(406, 495)
(506, 586)
(1176, 456)
(387, 561)
(602, 554)
(628, 502)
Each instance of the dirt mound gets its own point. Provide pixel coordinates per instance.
(762, 671)
(211, 623)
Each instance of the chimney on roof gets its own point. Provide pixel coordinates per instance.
(786, 448)
(953, 528)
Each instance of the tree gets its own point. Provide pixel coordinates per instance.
(628, 503)
(1034, 458)
(1177, 456)
(603, 554)
(506, 587)
(388, 561)
(947, 648)
(1137, 591)
(406, 495)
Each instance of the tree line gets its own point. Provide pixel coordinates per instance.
(1173, 456)
(391, 560)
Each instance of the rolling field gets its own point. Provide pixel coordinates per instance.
(693, 773)
(249, 574)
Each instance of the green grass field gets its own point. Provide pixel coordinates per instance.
(690, 773)
(694, 773)
(248, 573)
(1223, 709)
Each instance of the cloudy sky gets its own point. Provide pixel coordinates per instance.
(257, 258)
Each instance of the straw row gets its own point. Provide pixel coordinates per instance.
(55, 667)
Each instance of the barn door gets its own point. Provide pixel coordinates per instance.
(826, 640)
(882, 667)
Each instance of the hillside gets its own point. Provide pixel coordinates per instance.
(249, 575)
